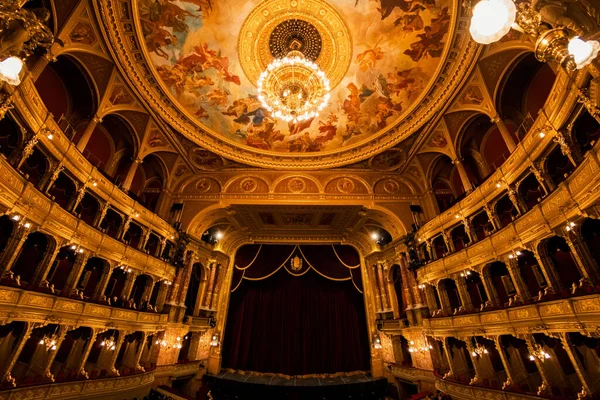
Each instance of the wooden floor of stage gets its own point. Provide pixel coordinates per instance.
(238, 386)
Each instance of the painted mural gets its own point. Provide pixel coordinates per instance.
(397, 45)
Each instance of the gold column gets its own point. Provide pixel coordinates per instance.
(579, 369)
(6, 375)
(215, 289)
(129, 282)
(512, 265)
(211, 281)
(162, 296)
(583, 258)
(505, 133)
(75, 273)
(131, 174)
(86, 352)
(548, 271)
(140, 351)
(509, 376)
(87, 134)
(539, 364)
(104, 279)
(382, 287)
(490, 290)
(13, 247)
(113, 359)
(465, 297)
(468, 186)
(474, 361)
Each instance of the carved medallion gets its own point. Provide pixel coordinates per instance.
(296, 185)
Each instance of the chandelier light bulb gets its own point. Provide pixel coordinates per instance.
(583, 52)
(10, 69)
(492, 19)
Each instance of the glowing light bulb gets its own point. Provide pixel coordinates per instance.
(491, 20)
(10, 69)
(583, 52)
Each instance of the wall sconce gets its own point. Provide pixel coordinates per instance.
(214, 340)
(376, 341)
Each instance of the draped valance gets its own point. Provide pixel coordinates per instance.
(335, 262)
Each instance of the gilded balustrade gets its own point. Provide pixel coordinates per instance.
(84, 389)
(24, 305)
(576, 314)
(578, 192)
(20, 196)
(558, 110)
(33, 111)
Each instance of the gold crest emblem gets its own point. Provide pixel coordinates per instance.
(296, 264)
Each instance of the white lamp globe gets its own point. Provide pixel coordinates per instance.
(583, 52)
(491, 20)
(10, 69)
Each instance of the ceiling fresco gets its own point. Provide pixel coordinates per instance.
(381, 55)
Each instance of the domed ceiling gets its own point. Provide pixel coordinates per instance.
(384, 59)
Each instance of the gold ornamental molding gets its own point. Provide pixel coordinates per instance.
(123, 37)
(324, 31)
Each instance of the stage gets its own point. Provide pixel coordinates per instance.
(229, 386)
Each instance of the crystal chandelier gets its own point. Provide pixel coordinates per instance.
(109, 343)
(49, 342)
(293, 88)
(539, 353)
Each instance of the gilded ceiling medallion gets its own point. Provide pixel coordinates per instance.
(381, 60)
(313, 27)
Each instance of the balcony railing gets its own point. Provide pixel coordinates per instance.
(21, 196)
(38, 306)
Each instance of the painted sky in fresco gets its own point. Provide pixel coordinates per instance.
(397, 49)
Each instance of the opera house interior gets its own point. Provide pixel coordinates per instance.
(299, 199)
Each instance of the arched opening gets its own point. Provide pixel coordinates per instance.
(9, 336)
(193, 289)
(98, 360)
(133, 236)
(141, 291)
(35, 167)
(111, 224)
(406, 356)
(464, 370)
(525, 372)
(34, 353)
(562, 260)
(115, 286)
(148, 181)
(31, 256)
(439, 246)
(396, 279)
(531, 191)
(184, 353)
(63, 190)
(502, 282)
(152, 244)
(126, 361)
(558, 165)
(587, 351)
(586, 131)
(476, 290)
(459, 237)
(525, 88)
(482, 226)
(531, 273)
(88, 208)
(505, 210)
(66, 90)
(485, 354)
(61, 268)
(6, 229)
(91, 277)
(446, 183)
(448, 286)
(11, 136)
(570, 384)
(590, 231)
(65, 366)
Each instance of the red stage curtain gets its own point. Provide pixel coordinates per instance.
(296, 325)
